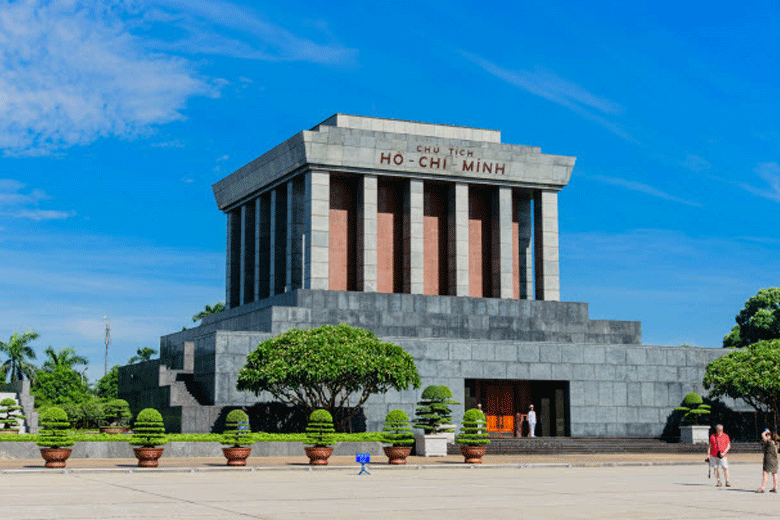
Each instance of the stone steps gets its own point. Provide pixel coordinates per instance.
(558, 445)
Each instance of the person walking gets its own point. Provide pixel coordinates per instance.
(720, 444)
(531, 421)
(769, 445)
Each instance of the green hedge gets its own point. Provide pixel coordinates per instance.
(205, 437)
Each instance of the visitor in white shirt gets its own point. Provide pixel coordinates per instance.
(532, 421)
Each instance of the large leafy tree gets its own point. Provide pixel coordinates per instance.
(327, 367)
(758, 320)
(61, 385)
(65, 357)
(107, 387)
(19, 352)
(209, 310)
(751, 375)
(142, 354)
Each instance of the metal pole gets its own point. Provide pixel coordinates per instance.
(108, 340)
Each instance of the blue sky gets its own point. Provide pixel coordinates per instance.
(116, 119)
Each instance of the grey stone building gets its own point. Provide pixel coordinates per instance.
(438, 238)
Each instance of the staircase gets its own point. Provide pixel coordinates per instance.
(582, 445)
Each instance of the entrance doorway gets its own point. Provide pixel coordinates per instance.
(503, 400)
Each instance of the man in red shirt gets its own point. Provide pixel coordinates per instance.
(720, 444)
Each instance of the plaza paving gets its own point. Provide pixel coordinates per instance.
(442, 491)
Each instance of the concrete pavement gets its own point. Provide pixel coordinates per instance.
(444, 491)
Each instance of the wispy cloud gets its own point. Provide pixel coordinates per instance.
(18, 202)
(642, 188)
(770, 173)
(77, 71)
(696, 163)
(548, 85)
(249, 35)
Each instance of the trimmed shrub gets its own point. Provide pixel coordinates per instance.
(319, 431)
(473, 430)
(236, 432)
(116, 413)
(396, 430)
(694, 409)
(434, 409)
(55, 428)
(9, 418)
(148, 430)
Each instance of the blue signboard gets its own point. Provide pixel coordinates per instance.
(363, 458)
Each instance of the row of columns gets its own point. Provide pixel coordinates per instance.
(279, 241)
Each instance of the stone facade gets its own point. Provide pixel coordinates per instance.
(439, 238)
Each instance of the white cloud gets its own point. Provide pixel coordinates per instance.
(696, 163)
(224, 28)
(642, 188)
(770, 173)
(551, 87)
(71, 72)
(18, 203)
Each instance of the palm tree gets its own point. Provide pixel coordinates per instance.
(66, 357)
(18, 352)
(209, 310)
(142, 354)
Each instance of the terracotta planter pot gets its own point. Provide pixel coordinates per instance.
(397, 454)
(148, 457)
(55, 457)
(473, 454)
(9, 432)
(113, 430)
(318, 456)
(237, 455)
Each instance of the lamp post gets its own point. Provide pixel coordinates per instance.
(108, 340)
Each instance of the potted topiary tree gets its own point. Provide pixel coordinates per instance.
(10, 416)
(319, 433)
(433, 411)
(473, 438)
(236, 437)
(54, 437)
(148, 434)
(398, 434)
(115, 417)
(695, 411)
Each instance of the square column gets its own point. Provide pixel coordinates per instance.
(459, 240)
(504, 240)
(272, 246)
(262, 246)
(316, 199)
(546, 245)
(522, 238)
(367, 234)
(233, 259)
(414, 237)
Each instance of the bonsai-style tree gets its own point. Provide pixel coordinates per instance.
(396, 430)
(236, 432)
(55, 428)
(9, 418)
(751, 375)
(319, 431)
(116, 413)
(324, 368)
(694, 408)
(473, 431)
(148, 431)
(758, 320)
(434, 409)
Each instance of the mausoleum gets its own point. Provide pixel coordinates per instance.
(439, 238)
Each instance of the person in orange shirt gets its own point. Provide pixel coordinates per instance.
(720, 444)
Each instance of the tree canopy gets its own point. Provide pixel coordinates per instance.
(61, 385)
(142, 354)
(65, 357)
(107, 387)
(19, 352)
(758, 320)
(209, 310)
(326, 367)
(751, 375)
